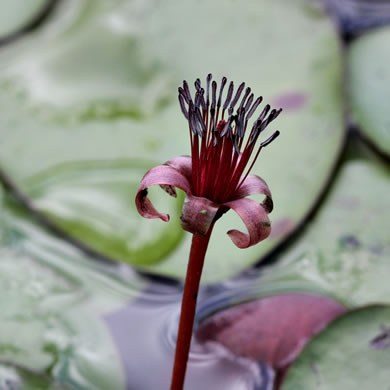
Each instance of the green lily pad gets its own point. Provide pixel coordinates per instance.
(344, 252)
(17, 14)
(73, 195)
(368, 73)
(102, 87)
(353, 352)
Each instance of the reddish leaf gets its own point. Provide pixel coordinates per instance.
(273, 329)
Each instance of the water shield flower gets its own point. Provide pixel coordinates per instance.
(216, 176)
(215, 179)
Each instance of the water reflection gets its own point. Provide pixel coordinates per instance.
(145, 331)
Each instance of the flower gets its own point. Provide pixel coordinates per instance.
(215, 177)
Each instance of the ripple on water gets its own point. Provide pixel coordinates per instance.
(145, 335)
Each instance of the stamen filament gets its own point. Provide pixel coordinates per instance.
(218, 157)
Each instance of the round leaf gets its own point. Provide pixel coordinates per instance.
(95, 201)
(273, 329)
(344, 252)
(353, 352)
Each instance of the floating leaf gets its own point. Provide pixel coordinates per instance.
(353, 352)
(102, 87)
(73, 195)
(369, 86)
(344, 252)
(273, 329)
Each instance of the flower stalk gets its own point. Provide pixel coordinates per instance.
(188, 306)
(215, 179)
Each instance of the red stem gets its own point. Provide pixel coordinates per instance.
(188, 306)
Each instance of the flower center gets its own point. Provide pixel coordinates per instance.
(223, 152)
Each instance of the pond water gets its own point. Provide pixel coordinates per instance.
(91, 324)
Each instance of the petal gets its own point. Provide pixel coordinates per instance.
(255, 185)
(168, 178)
(198, 214)
(256, 221)
(183, 164)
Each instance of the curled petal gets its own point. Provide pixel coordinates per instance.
(198, 214)
(168, 178)
(255, 219)
(255, 185)
(183, 164)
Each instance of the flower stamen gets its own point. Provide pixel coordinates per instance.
(218, 156)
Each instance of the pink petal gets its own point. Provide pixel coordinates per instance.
(198, 214)
(183, 164)
(256, 221)
(255, 185)
(168, 178)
